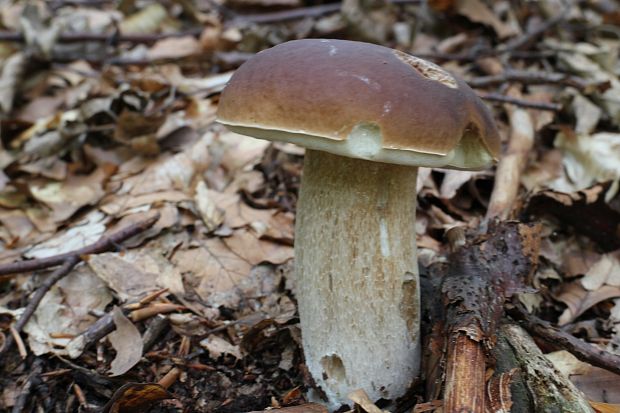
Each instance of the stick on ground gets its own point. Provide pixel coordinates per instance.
(67, 262)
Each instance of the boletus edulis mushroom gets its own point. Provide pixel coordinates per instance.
(368, 116)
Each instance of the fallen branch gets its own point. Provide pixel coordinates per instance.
(299, 13)
(537, 78)
(528, 37)
(559, 339)
(530, 104)
(67, 262)
(109, 38)
(33, 380)
(483, 274)
(104, 244)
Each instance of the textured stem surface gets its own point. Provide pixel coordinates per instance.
(357, 275)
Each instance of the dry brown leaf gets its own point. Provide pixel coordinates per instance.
(135, 273)
(127, 342)
(217, 346)
(65, 198)
(452, 181)
(41, 107)
(147, 20)
(17, 226)
(136, 398)
(66, 311)
(245, 244)
(220, 269)
(168, 172)
(579, 300)
(605, 271)
(215, 272)
(594, 382)
(83, 232)
(50, 167)
(12, 71)
(605, 407)
(588, 159)
(477, 11)
(174, 48)
(119, 205)
(239, 150)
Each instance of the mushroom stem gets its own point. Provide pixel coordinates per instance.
(357, 275)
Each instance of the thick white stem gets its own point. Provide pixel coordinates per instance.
(357, 275)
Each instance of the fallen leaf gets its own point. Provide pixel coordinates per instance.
(65, 198)
(174, 48)
(135, 273)
(596, 383)
(82, 233)
(477, 11)
(452, 181)
(220, 270)
(217, 346)
(127, 342)
(12, 71)
(605, 407)
(136, 398)
(588, 114)
(588, 159)
(606, 271)
(65, 311)
(578, 300)
(147, 20)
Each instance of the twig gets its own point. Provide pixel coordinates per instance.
(534, 34)
(105, 244)
(69, 260)
(299, 13)
(497, 97)
(534, 78)
(110, 38)
(27, 388)
(558, 338)
(512, 163)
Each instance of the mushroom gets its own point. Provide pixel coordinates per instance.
(368, 117)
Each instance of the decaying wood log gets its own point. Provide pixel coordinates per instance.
(542, 388)
(482, 275)
(468, 337)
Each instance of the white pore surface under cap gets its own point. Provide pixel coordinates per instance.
(365, 142)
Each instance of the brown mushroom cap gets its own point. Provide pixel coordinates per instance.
(360, 100)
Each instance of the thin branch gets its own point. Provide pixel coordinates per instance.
(68, 261)
(34, 302)
(28, 387)
(112, 38)
(535, 78)
(526, 38)
(558, 338)
(530, 104)
(299, 13)
(104, 244)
